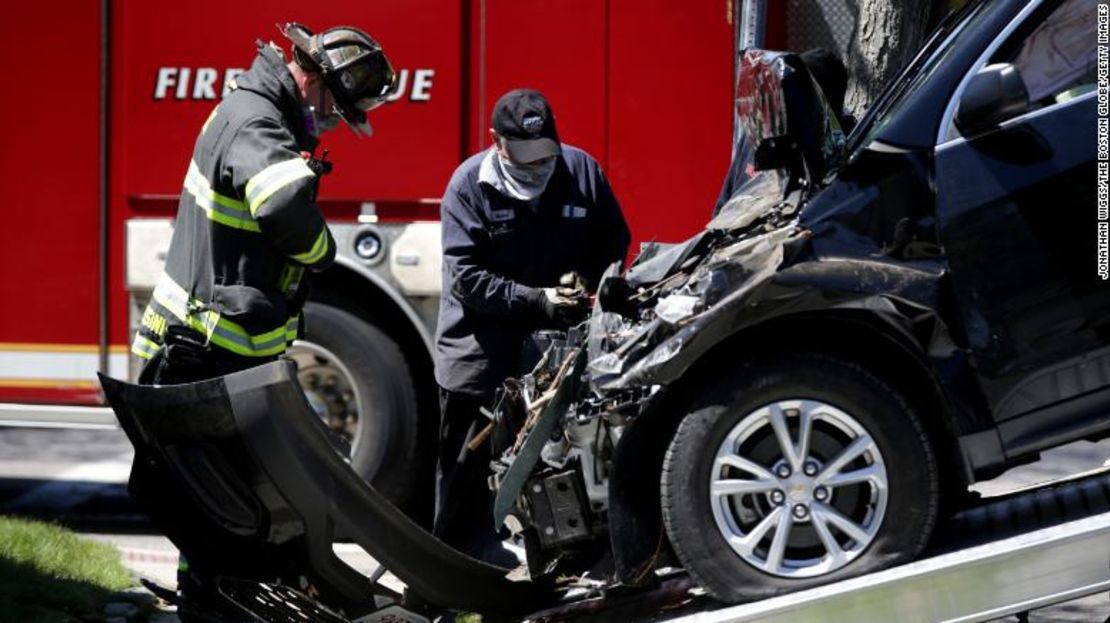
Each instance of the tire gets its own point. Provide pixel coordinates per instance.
(356, 379)
(847, 407)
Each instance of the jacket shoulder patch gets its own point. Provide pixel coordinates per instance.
(573, 211)
(500, 216)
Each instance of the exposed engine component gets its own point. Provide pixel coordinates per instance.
(555, 509)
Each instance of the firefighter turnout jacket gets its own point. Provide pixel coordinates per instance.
(247, 224)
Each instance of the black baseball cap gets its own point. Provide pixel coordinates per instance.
(522, 117)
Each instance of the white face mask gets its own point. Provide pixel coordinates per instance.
(525, 181)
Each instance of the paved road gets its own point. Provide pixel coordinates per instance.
(79, 477)
(75, 476)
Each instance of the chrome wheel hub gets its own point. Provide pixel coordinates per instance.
(330, 389)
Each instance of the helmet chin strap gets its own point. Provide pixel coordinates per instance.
(328, 118)
(318, 119)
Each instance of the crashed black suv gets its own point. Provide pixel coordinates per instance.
(797, 394)
(871, 323)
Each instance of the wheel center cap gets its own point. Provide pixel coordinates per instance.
(799, 492)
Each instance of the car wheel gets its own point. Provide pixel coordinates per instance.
(355, 378)
(795, 473)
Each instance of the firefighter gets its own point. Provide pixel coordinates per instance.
(516, 219)
(247, 224)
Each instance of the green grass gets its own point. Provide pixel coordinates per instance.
(49, 574)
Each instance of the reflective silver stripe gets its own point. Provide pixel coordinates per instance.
(172, 297)
(272, 179)
(222, 209)
(250, 347)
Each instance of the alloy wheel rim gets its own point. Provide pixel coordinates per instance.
(798, 488)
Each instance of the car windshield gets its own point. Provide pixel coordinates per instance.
(933, 56)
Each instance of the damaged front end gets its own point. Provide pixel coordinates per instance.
(671, 298)
(566, 438)
(580, 476)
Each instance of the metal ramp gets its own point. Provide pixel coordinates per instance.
(984, 582)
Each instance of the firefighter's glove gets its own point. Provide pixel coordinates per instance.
(320, 166)
(185, 347)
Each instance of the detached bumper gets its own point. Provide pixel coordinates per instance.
(239, 475)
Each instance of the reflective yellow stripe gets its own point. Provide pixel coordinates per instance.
(290, 278)
(317, 252)
(220, 331)
(249, 347)
(219, 208)
(143, 347)
(272, 179)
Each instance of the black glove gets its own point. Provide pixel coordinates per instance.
(566, 304)
(321, 166)
(185, 347)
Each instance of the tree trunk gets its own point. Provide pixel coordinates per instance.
(887, 35)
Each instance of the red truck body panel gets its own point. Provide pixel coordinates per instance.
(49, 249)
(646, 87)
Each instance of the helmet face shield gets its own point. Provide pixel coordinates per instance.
(355, 119)
(353, 66)
(364, 87)
(367, 104)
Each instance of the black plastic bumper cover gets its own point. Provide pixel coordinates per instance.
(238, 473)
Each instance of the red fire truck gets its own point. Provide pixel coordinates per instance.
(104, 100)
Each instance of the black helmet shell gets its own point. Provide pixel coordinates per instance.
(353, 65)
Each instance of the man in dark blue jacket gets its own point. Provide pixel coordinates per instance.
(517, 218)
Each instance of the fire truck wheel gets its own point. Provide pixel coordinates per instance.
(356, 380)
(797, 472)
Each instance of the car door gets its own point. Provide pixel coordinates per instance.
(1017, 217)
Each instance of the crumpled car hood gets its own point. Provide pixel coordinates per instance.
(671, 292)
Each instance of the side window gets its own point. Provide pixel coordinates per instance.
(1054, 52)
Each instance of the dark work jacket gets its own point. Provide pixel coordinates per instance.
(247, 223)
(499, 252)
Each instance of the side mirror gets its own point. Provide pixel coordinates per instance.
(994, 94)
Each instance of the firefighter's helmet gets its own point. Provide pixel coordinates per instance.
(352, 64)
